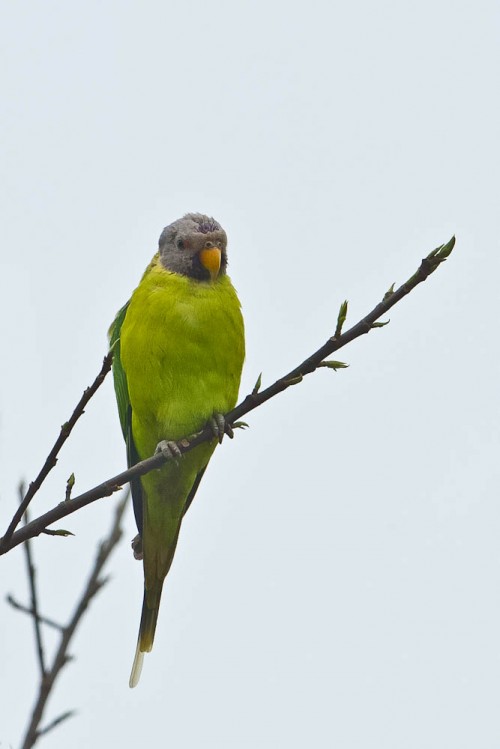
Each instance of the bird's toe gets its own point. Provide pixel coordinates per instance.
(137, 547)
(220, 427)
(169, 449)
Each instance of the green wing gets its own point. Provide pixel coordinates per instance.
(125, 409)
(120, 379)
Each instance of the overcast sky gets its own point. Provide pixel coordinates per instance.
(337, 580)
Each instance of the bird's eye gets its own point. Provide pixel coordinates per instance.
(219, 245)
(180, 244)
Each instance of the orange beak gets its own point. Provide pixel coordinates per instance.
(210, 258)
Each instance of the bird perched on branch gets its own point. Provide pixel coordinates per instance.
(178, 353)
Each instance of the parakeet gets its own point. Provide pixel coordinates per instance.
(178, 354)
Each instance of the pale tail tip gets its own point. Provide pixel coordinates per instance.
(135, 674)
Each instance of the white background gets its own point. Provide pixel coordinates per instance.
(337, 581)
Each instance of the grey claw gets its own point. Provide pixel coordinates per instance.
(220, 427)
(137, 547)
(169, 449)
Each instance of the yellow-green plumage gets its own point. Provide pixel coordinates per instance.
(179, 349)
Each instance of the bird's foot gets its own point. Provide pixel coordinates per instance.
(220, 427)
(137, 547)
(169, 449)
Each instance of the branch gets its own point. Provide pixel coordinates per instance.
(252, 401)
(56, 722)
(31, 570)
(26, 610)
(93, 586)
(51, 460)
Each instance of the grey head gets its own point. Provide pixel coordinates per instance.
(194, 246)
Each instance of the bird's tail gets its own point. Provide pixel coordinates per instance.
(147, 627)
(157, 561)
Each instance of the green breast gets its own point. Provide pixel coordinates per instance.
(182, 350)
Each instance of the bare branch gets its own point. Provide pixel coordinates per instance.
(255, 399)
(56, 722)
(26, 610)
(94, 583)
(31, 570)
(51, 460)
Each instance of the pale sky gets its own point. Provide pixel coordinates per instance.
(337, 580)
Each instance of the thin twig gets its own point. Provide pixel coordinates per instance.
(34, 595)
(56, 722)
(252, 401)
(51, 460)
(26, 610)
(93, 586)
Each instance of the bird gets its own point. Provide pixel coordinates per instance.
(178, 350)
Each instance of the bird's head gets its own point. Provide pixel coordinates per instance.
(194, 246)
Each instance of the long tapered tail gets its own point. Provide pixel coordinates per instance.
(147, 627)
(158, 557)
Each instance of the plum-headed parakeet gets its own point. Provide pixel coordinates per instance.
(178, 353)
